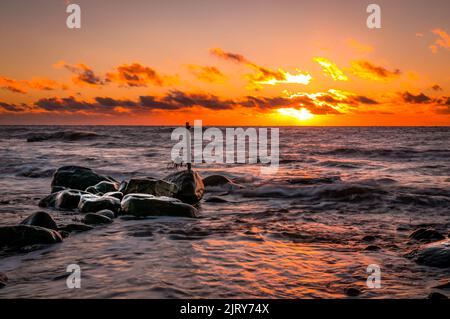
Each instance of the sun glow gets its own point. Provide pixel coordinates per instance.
(302, 114)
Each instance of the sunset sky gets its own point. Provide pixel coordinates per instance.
(251, 62)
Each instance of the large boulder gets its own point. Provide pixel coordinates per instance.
(24, 235)
(93, 204)
(143, 205)
(189, 184)
(436, 254)
(148, 185)
(77, 177)
(41, 219)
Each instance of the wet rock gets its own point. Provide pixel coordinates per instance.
(216, 199)
(189, 184)
(92, 190)
(117, 195)
(96, 219)
(93, 204)
(64, 234)
(148, 185)
(103, 187)
(76, 227)
(24, 235)
(352, 292)
(437, 295)
(77, 177)
(369, 238)
(66, 199)
(436, 254)
(143, 205)
(426, 235)
(372, 248)
(107, 213)
(41, 219)
(56, 189)
(219, 181)
(3, 280)
(443, 286)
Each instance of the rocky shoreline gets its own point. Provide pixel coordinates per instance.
(100, 199)
(95, 200)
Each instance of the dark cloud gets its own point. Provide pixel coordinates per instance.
(83, 74)
(12, 107)
(436, 87)
(368, 70)
(416, 99)
(138, 75)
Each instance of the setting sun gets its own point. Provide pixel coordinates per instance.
(302, 114)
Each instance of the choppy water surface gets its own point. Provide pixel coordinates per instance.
(296, 234)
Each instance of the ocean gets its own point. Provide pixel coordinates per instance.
(299, 233)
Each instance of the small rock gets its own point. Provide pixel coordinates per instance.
(216, 199)
(372, 248)
(65, 199)
(443, 286)
(96, 219)
(77, 177)
(93, 204)
(352, 292)
(3, 280)
(142, 205)
(216, 180)
(76, 227)
(107, 213)
(41, 219)
(24, 235)
(148, 185)
(369, 238)
(436, 254)
(64, 234)
(222, 182)
(426, 235)
(104, 187)
(437, 295)
(117, 195)
(190, 187)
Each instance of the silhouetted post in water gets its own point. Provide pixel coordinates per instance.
(188, 161)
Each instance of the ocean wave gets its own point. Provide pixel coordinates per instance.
(386, 153)
(62, 136)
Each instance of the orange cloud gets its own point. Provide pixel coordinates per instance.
(22, 86)
(208, 74)
(136, 74)
(84, 75)
(263, 75)
(442, 41)
(367, 70)
(330, 69)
